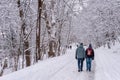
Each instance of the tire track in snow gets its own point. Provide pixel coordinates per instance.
(112, 63)
(61, 68)
(107, 64)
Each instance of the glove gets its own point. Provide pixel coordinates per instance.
(75, 57)
(83, 59)
(92, 58)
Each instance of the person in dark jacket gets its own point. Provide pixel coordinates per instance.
(80, 56)
(89, 57)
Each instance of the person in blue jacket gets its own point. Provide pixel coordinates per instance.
(80, 56)
(89, 57)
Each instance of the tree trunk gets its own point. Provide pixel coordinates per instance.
(25, 43)
(51, 27)
(15, 63)
(38, 30)
(51, 52)
(27, 54)
(3, 67)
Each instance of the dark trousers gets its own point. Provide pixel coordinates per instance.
(80, 64)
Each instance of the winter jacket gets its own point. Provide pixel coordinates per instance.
(80, 52)
(92, 53)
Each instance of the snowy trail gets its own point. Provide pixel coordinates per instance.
(59, 68)
(104, 67)
(107, 65)
(69, 72)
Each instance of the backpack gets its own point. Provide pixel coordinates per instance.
(89, 52)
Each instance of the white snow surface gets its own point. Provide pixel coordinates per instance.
(104, 67)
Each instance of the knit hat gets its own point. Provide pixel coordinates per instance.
(90, 46)
(81, 43)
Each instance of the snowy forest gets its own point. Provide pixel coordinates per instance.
(35, 30)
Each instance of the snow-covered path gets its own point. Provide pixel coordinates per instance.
(59, 68)
(108, 63)
(69, 72)
(104, 67)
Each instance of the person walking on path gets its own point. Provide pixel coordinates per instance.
(89, 57)
(80, 56)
